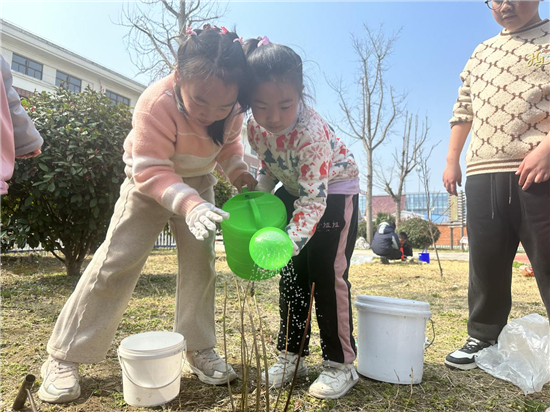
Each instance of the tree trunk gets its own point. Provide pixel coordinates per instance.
(369, 197)
(73, 265)
(397, 211)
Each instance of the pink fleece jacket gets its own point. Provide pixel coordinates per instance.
(165, 146)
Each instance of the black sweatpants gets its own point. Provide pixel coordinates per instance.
(500, 215)
(324, 260)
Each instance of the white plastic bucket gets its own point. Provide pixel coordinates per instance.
(391, 338)
(151, 365)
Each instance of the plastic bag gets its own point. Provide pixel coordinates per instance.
(522, 355)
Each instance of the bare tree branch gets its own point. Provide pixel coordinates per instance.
(157, 29)
(370, 115)
(405, 160)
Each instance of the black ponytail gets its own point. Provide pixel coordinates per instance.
(214, 52)
(272, 62)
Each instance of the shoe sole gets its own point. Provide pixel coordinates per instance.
(320, 395)
(301, 373)
(48, 397)
(208, 379)
(460, 366)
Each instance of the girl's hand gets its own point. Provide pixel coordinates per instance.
(30, 154)
(203, 218)
(245, 179)
(535, 168)
(452, 176)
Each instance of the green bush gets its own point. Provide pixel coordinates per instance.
(383, 217)
(418, 232)
(223, 190)
(362, 229)
(64, 198)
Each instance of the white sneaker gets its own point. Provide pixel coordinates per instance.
(335, 381)
(209, 367)
(60, 381)
(283, 371)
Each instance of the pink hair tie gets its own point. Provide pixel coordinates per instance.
(190, 32)
(224, 30)
(264, 41)
(239, 40)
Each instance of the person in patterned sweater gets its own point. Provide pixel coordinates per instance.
(505, 103)
(320, 188)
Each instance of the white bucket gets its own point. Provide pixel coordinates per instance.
(391, 338)
(151, 365)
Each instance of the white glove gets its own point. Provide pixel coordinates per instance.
(203, 218)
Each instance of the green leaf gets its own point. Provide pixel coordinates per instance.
(43, 167)
(93, 202)
(51, 187)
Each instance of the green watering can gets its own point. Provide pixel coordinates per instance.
(255, 243)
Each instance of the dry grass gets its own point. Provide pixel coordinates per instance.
(34, 288)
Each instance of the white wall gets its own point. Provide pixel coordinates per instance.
(54, 58)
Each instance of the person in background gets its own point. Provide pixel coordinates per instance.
(19, 138)
(385, 243)
(406, 249)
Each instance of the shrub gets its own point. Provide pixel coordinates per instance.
(64, 198)
(383, 217)
(362, 229)
(223, 190)
(418, 232)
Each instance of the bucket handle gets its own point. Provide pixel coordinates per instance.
(152, 387)
(433, 337)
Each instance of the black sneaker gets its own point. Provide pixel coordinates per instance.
(384, 260)
(464, 358)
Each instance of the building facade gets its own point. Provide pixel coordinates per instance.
(39, 65)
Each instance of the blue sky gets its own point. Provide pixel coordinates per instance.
(437, 39)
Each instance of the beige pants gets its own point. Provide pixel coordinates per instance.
(88, 322)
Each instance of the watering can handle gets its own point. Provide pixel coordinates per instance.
(255, 211)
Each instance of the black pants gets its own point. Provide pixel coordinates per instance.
(394, 254)
(500, 215)
(324, 260)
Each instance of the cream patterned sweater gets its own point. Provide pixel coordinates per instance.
(506, 96)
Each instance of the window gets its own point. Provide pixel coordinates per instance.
(253, 152)
(26, 66)
(68, 82)
(117, 98)
(253, 171)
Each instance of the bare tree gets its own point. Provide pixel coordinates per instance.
(157, 29)
(425, 173)
(405, 161)
(370, 115)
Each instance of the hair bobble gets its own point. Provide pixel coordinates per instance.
(239, 40)
(265, 41)
(224, 30)
(190, 32)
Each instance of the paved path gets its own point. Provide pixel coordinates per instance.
(365, 256)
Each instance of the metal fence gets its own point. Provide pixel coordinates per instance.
(165, 240)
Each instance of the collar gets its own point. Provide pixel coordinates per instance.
(523, 29)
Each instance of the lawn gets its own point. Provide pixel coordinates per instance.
(34, 289)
